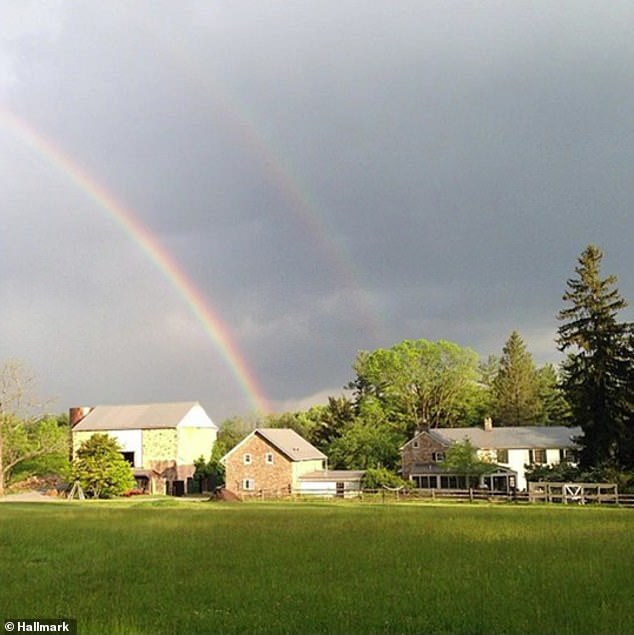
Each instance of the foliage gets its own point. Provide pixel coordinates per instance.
(54, 435)
(366, 443)
(565, 472)
(25, 436)
(516, 386)
(598, 374)
(376, 478)
(213, 468)
(101, 469)
(462, 458)
(418, 383)
(555, 409)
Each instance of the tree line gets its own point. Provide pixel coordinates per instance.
(419, 383)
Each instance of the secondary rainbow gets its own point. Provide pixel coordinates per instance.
(144, 238)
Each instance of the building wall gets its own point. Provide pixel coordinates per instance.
(424, 453)
(304, 467)
(128, 440)
(160, 452)
(274, 479)
(329, 488)
(193, 443)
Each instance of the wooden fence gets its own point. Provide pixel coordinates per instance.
(602, 495)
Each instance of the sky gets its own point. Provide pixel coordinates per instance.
(226, 201)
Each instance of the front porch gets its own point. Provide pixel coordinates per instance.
(432, 476)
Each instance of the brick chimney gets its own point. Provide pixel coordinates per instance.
(488, 424)
(76, 414)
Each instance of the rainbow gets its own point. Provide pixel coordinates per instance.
(144, 238)
(302, 204)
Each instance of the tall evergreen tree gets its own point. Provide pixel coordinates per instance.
(597, 374)
(516, 387)
(555, 408)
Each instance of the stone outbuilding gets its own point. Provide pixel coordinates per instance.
(270, 462)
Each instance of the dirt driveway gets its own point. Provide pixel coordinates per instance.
(31, 496)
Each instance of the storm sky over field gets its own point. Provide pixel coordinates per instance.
(226, 201)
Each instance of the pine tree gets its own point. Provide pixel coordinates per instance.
(516, 387)
(597, 375)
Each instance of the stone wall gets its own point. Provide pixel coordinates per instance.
(424, 453)
(274, 479)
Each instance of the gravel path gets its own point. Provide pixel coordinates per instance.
(32, 496)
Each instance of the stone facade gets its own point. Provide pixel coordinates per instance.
(421, 450)
(257, 467)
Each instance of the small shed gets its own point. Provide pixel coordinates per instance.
(339, 483)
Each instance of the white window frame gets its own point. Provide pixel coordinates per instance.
(268, 458)
(416, 444)
(247, 459)
(248, 484)
(438, 457)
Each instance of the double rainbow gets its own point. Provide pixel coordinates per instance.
(145, 239)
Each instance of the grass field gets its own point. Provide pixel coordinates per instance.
(173, 566)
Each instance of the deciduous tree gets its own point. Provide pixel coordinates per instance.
(101, 469)
(24, 433)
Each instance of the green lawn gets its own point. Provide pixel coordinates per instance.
(172, 566)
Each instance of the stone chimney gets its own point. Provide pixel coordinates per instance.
(488, 424)
(76, 414)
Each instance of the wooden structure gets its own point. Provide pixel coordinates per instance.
(579, 493)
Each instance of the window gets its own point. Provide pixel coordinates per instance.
(437, 457)
(537, 456)
(128, 457)
(502, 456)
(247, 459)
(415, 444)
(565, 455)
(248, 484)
(269, 458)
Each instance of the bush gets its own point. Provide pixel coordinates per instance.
(101, 469)
(376, 478)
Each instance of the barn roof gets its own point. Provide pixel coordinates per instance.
(135, 417)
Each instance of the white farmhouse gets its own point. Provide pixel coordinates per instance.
(508, 448)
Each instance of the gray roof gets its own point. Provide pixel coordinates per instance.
(515, 437)
(290, 443)
(135, 417)
(333, 475)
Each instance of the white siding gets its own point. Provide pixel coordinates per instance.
(130, 441)
(196, 418)
(328, 488)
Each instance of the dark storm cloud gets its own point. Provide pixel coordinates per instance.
(331, 176)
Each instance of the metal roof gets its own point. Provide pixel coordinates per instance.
(515, 437)
(290, 443)
(135, 417)
(333, 475)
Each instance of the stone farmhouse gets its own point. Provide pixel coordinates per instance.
(161, 441)
(276, 462)
(509, 449)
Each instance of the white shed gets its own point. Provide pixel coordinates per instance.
(340, 483)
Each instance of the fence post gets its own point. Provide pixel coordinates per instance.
(471, 494)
